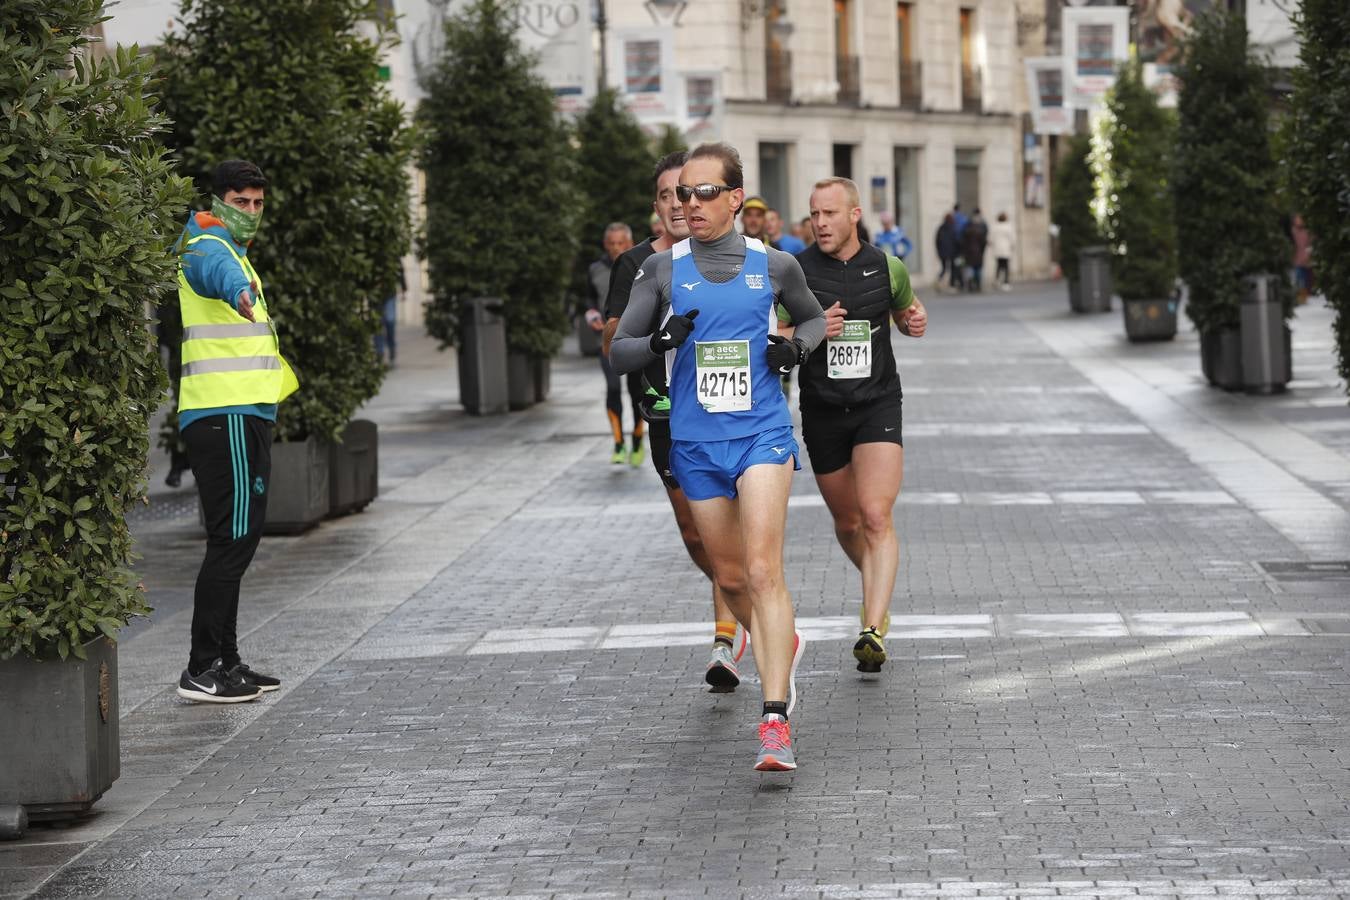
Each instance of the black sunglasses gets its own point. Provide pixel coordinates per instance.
(704, 192)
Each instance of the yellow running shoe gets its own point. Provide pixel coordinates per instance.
(869, 651)
(885, 628)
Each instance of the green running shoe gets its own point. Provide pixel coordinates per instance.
(869, 651)
(638, 455)
(885, 628)
(620, 455)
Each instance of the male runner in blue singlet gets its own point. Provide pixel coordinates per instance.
(733, 450)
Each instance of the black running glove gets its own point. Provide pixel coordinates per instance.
(784, 353)
(674, 332)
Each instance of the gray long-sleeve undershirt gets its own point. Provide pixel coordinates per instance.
(718, 261)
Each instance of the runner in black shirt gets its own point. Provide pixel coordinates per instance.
(850, 397)
(728, 640)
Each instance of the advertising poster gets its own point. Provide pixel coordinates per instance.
(1163, 25)
(1096, 41)
(642, 67)
(1050, 110)
(702, 105)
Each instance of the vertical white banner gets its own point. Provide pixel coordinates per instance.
(558, 32)
(1096, 41)
(1051, 112)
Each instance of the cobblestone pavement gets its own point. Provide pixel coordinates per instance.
(1103, 681)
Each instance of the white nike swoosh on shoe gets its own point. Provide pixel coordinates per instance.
(867, 274)
(208, 688)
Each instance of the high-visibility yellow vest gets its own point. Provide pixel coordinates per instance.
(228, 360)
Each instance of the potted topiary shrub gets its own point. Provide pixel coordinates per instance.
(319, 120)
(1228, 222)
(1318, 175)
(89, 209)
(488, 119)
(1132, 162)
(1071, 209)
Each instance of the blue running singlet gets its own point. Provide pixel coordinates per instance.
(720, 385)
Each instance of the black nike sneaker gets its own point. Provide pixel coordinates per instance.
(216, 685)
(257, 679)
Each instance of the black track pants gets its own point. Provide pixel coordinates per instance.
(231, 459)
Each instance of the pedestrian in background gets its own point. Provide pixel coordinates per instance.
(805, 232)
(618, 241)
(779, 239)
(892, 238)
(1303, 274)
(384, 338)
(948, 249)
(1001, 245)
(233, 379)
(973, 242)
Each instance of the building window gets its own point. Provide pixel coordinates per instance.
(773, 177)
(911, 81)
(846, 70)
(777, 60)
(971, 95)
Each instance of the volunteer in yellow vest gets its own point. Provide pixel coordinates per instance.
(233, 377)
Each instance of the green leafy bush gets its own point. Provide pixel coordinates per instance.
(500, 184)
(89, 209)
(1071, 205)
(615, 178)
(1228, 224)
(1132, 161)
(294, 86)
(1319, 161)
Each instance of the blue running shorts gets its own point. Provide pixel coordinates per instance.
(708, 469)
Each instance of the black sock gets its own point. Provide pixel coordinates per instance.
(775, 708)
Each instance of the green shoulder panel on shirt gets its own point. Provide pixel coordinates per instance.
(902, 294)
(784, 317)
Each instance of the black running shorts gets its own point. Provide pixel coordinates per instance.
(658, 439)
(831, 432)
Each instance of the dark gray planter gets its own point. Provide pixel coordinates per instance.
(1075, 295)
(59, 739)
(1221, 358)
(298, 496)
(1094, 280)
(543, 378)
(482, 357)
(519, 381)
(1150, 320)
(354, 468)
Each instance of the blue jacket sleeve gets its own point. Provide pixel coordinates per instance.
(212, 272)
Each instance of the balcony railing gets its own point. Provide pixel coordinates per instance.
(778, 76)
(911, 84)
(846, 73)
(972, 92)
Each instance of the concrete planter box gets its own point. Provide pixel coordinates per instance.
(482, 357)
(59, 742)
(543, 378)
(354, 468)
(520, 389)
(1094, 281)
(299, 494)
(588, 339)
(1150, 320)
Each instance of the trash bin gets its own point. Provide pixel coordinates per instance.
(1094, 279)
(482, 357)
(588, 339)
(1265, 360)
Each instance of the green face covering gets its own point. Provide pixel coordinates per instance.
(242, 225)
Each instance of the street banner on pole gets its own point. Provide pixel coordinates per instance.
(1050, 109)
(1096, 41)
